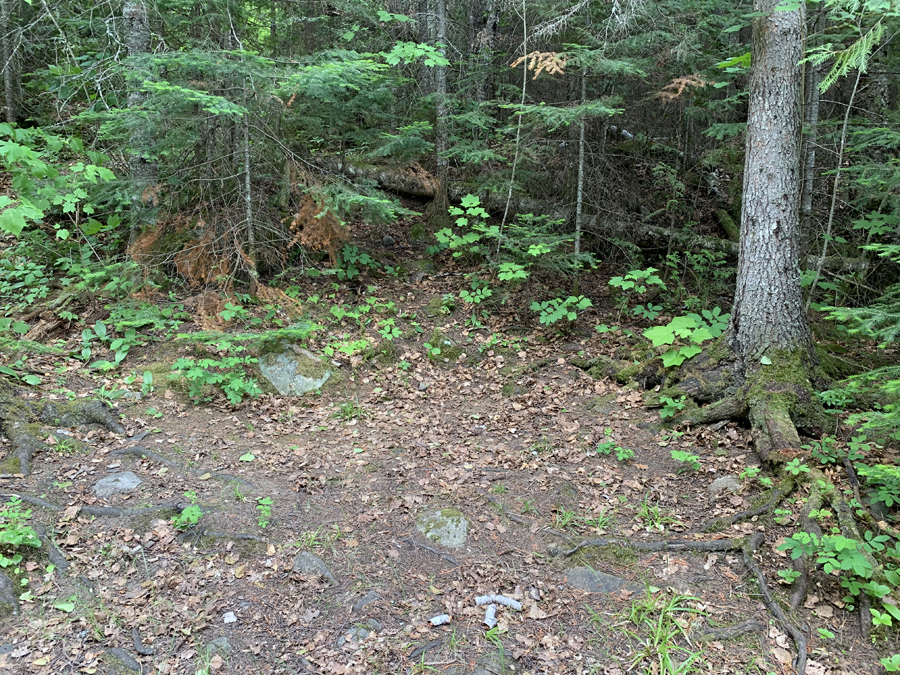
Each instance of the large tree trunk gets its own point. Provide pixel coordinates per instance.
(768, 313)
(485, 20)
(142, 165)
(813, 75)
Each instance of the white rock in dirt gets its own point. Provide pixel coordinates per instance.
(723, 483)
(294, 371)
(229, 617)
(124, 481)
(447, 527)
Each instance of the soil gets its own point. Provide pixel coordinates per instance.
(507, 433)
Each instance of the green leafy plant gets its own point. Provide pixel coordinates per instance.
(190, 515)
(264, 506)
(556, 309)
(350, 410)
(884, 479)
(788, 576)
(687, 460)
(795, 468)
(610, 447)
(14, 532)
(226, 374)
(891, 663)
(681, 329)
(671, 407)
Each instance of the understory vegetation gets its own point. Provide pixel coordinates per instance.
(277, 214)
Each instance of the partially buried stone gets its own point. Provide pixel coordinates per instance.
(120, 662)
(725, 484)
(294, 371)
(220, 646)
(592, 581)
(307, 563)
(447, 527)
(359, 632)
(118, 483)
(367, 599)
(388, 241)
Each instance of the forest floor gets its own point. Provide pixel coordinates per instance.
(506, 432)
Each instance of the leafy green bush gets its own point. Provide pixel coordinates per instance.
(687, 460)
(884, 479)
(190, 515)
(14, 532)
(226, 374)
(556, 309)
(680, 329)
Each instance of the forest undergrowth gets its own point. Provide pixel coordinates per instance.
(446, 394)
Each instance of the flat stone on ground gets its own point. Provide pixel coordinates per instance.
(120, 662)
(124, 481)
(723, 483)
(592, 581)
(447, 527)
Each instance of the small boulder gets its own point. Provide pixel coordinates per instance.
(307, 563)
(725, 483)
(447, 527)
(294, 371)
(118, 483)
(220, 646)
(592, 581)
(367, 599)
(359, 632)
(388, 241)
(120, 662)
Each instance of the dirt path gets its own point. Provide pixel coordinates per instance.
(508, 436)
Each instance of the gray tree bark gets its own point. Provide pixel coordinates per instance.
(142, 166)
(7, 54)
(768, 312)
(812, 78)
(440, 124)
(485, 20)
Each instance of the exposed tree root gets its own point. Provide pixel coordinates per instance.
(749, 549)
(801, 564)
(140, 451)
(780, 491)
(21, 421)
(736, 630)
(138, 643)
(415, 544)
(672, 545)
(54, 555)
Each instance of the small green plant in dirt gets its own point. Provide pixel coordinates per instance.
(884, 480)
(685, 333)
(787, 577)
(564, 518)
(671, 407)
(660, 633)
(891, 664)
(609, 447)
(653, 517)
(433, 351)
(635, 284)
(14, 532)
(599, 521)
(227, 374)
(389, 330)
(190, 515)
(559, 309)
(687, 461)
(795, 467)
(836, 399)
(264, 506)
(350, 410)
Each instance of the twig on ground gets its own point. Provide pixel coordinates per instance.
(414, 543)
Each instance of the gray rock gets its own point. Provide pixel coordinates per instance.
(367, 599)
(359, 632)
(9, 602)
(7, 649)
(307, 563)
(220, 646)
(388, 241)
(725, 483)
(879, 510)
(423, 386)
(447, 527)
(592, 581)
(496, 663)
(120, 662)
(294, 371)
(124, 481)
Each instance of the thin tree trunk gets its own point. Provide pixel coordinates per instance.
(768, 312)
(579, 193)
(248, 195)
(813, 75)
(7, 50)
(440, 125)
(485, 35)
(143, 168)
